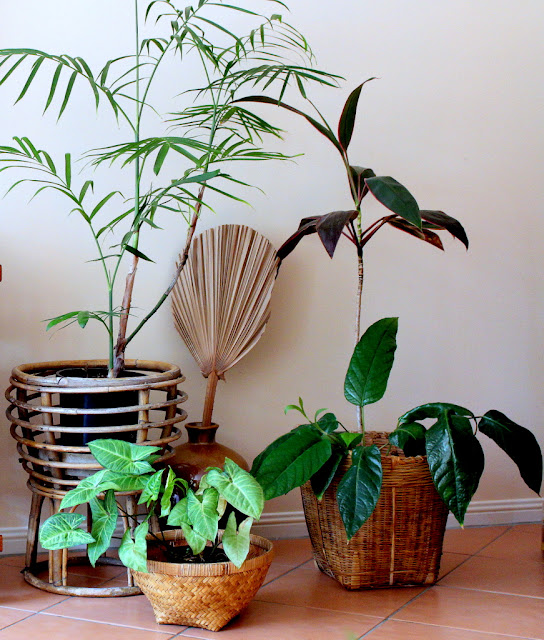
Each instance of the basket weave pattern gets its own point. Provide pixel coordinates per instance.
(400, 544)
(204, 595)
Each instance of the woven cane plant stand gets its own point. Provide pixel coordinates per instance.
(53, 467)
(399, 545)
(204, 595)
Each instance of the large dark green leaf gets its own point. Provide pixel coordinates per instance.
(371, 362)
(328, 422)
(288, 464)
(322, 478)
(518, 442)
(349, 112)
(360, 488)
(395, 197)
(456, 461)
(444, 221)
(433, 410)
(410, 437)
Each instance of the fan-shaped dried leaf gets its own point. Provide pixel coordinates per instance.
(221, 302)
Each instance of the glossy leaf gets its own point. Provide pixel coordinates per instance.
(61, 531)
(104, 513)
(349, 439)
(423, 234)
(371, 363)
(359, 490)
(286, 465)
(518, 443)
(444, 221)
(433, 410)
(349, 112)
(324, 476)
(328, 422)
(329, 227)
(236, 542)
(456, 461)
(133, 553)
(122, 457)
(395, 197)
(410, 437)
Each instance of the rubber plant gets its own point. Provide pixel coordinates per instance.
(199, 138)
(127, 467)
(314, 451)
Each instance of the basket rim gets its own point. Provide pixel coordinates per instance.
(32, 373)
(187, 569)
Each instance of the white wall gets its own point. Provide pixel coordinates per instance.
(455, 115)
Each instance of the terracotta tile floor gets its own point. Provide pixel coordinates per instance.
(491, 588)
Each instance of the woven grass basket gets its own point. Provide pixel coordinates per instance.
(204, 595)
(399, 545)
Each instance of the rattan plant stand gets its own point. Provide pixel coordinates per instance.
(399, 545)
(41, 405)
(205, 595)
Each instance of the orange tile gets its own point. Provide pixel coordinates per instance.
(306, 586)
(19, 560)
(11, 616)
(414, 631)
(133, 611)
(450, 561)
(18, 594)
(470, 540)
(292, 552)
(44, 627)
(522, 542)
(276, 570)
(269, 621)
(494, 574)
(477, 611)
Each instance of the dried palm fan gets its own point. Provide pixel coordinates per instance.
(221, 302)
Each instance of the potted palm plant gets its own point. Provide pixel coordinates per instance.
(193, 574)
(57, 403)
(376, 503)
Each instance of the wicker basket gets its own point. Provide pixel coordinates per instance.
(204, 595)
(400, 544)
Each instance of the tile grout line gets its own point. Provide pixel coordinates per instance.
(469, 557)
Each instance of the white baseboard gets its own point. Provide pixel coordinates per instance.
(496, 512)
(291, 524)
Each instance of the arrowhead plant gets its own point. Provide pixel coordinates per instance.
(127, 467)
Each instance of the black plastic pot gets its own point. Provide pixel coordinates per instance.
(97, 401)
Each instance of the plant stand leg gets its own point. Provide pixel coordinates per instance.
(33, 527)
